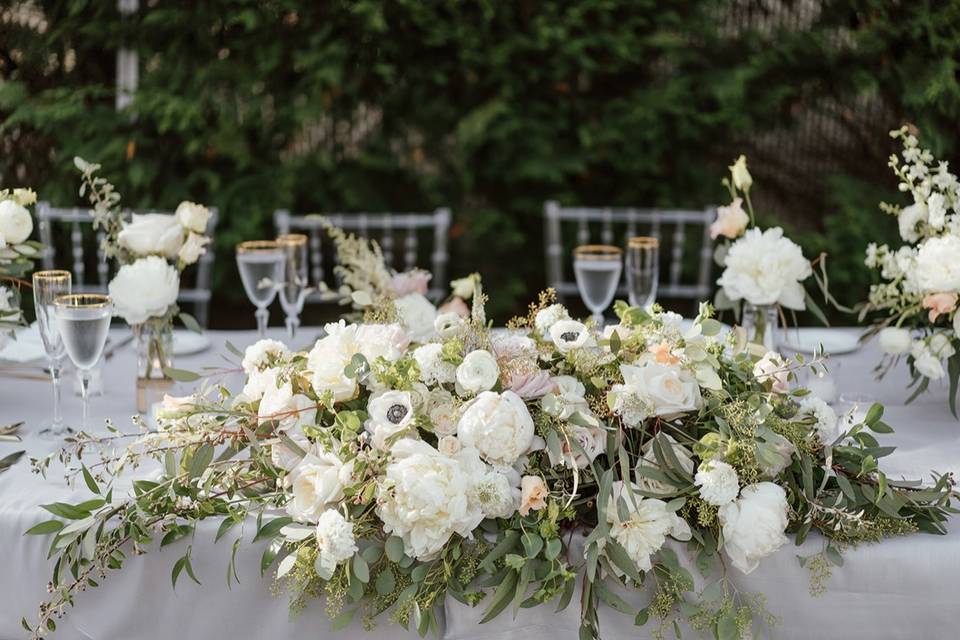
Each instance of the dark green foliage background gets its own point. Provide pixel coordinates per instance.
(489, 107)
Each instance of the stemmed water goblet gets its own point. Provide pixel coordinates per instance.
(47, 287)
(597, 268)
(83, 321)
(643, 270)
(260, 263)
(293, 291)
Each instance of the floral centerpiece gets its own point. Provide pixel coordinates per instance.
(17, 254)
(495, 467)
(762, 269)
(151, 250)
(916, 299)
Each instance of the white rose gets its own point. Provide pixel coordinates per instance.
(765, 268)
(387, 341)
(718, 482)
(416, 315)
(152, 233)
(772, 367)
(646, 528)
(145, 289)
(290, 411)
(16, 225)
(926, 362)
(193, 216)
(328, 359)
(316, 483)
(336, 542)
(894, 341)
(754, 525)
(448, 445)
(568, 335)
(424, 498)
(549, 316)
(264, 353)
(447, 324)
(193, 248)
(670, 390)
(258, 382)
(478, 372)
(784, 450)
(498, 426)
(390, 413)
(938, 265)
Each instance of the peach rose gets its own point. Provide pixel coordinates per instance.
(939, 303)
(533, 494)
(661, 353)
(457, 306)
(731, 220)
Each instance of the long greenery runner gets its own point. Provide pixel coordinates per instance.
(914, 306)
(499, 468)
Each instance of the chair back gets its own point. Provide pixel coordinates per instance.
(86, 256)
(407, 240)
(680, 232)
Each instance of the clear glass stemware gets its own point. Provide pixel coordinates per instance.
(83, 321)
(260, 263)
(47, 287)
(597, 268)
(643, 270)
(293, 293)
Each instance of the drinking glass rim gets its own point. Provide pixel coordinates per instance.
(52, 275)
(77, 301)
(294, 239)
(642, 242)
(598, 251)
(258, 246)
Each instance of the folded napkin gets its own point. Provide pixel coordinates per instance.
(26, 346)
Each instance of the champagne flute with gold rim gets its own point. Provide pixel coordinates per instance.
(293, 292)
(47, 287)
(260, 263)
(84, 321)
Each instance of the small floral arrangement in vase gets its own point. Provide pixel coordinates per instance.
(17, 254)
(763, 269)
(916, 298)
(151, 250)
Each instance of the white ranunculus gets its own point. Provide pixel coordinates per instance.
(827, 426)
(498, 426)
(740, 174)
(909, 218)
(16, 225)
(336, 542)
(772, 367)
(649, 459)
(193, 248)
(938, 265)
(144, 289)
(669, 389)
(328, 359)
(894, 341)
(433, 368)
(416, 315)
(388, 341)
(765, 268)
(646, 528)
(288, 409)
(193, 217)
(926, 362)
(264, 353)
(568, 335)
(316, 483)
(478, 372)
(754, 525)
(424, 498)
(548, 317)
(718, 482)
(152, 234)
(390, 413)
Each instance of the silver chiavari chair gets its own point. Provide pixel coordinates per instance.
(679, 231)
(406, 239)
(54, 222)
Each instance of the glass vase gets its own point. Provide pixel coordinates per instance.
(154, 356)
(762, 324)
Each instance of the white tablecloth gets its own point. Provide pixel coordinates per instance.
(901, 588)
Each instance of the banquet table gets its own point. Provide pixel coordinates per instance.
(901, 588)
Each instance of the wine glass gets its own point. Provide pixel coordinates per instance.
(643, 270)
(47, 287)
(261, 270)
(293, 293)
(83, 321)
(597, 268)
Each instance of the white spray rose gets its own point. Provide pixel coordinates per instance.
(646, 528)
(317, 483)
(288, 409)
(329, 358)
(478, 372)
(894, 341)
(193, 248)
(152, 233)
(336, 542)
(444, 418)
(765, 268)
(718, 482)
(193, 217)
(754, 525)
(498, 426)
(938, 265)
(16, 225)
(144, 289)
(416, 315)
(257, 384)
(568, 335)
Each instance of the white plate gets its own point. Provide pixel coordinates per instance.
(25, 347)
(187, 342)
(809, 339)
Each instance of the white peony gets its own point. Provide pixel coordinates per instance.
(938, 265)
(568, 335)
(754, 525)
(336, 542)
(772, 368)
(316, 483)
(478, 372)
(145, 289)
(290, 410)
(548, 317)
(416, 315)
(328, 359)
(424, 498)
(193, 248)
(718, 482)
(387, 341)
(827, 426)
(646, 528)
(765, 268)
(447, 324)
(390, 413)
(669, 390)
(264, 353)
(193, 217)
(498, 426)
(152, 234)
(649, 459)
(926, 362)
(16, 225)
(894, 341)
